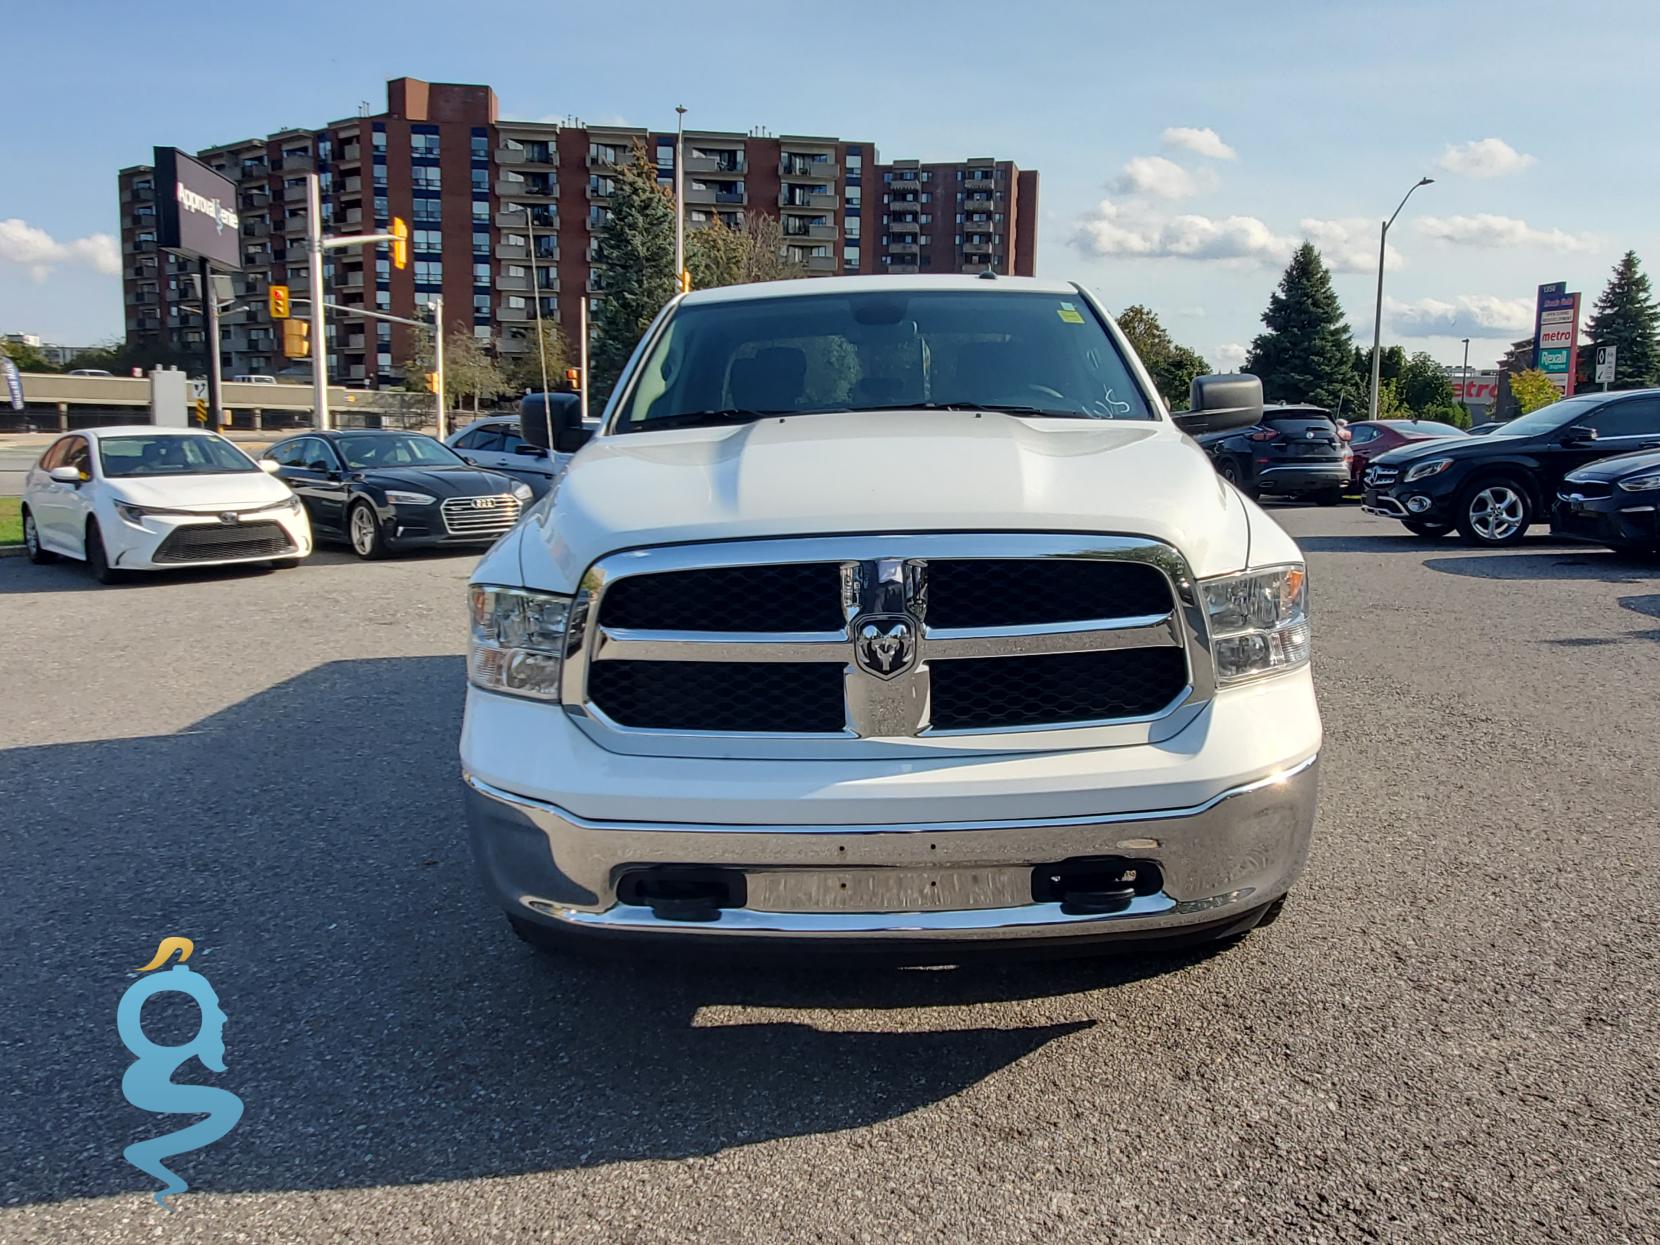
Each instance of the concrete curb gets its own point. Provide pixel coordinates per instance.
(12, 551)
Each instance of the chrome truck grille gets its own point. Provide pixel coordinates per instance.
(833, 646)
(480, 516)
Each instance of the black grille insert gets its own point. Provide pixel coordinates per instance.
(988, 693)
(1017, 592)
(803, 596)
(200, 543)
(774, 697)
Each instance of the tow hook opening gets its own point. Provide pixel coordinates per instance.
(1095, 885)
(683, 892)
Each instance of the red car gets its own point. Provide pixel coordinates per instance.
(1371, 437)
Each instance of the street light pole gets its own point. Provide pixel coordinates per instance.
(536, 300)
(438, 357)
(679, 194)
(319, 324)
(1465, 396)
(1377, 315)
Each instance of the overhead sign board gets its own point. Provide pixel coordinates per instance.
(196, 210)
(1556, 334)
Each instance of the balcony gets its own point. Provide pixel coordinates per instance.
(985, 181)
(979, 203)
(796, 168)
(351, 153)
(350, 188)
(895, 225)
(513, 285)
(293, 194)
(602, 160)
(297, 164)
(800, 202)
(514, 218)
(897, 247)
(513, 315)
(255, 199)
(600, 189)
(512, 250)
(703, 166)
(819, 263)
(707, 196)
(906, 269)
(527, 188)
(351, 280)
(256, 228)
(795, 227)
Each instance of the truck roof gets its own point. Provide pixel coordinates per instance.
(874, 285)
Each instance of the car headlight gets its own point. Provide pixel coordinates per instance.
(130, 513)
(1258, 622)
(1641, 484)
(523, 492)
(395, 498)
(1433, 467)
(291, 504)
(517, 640)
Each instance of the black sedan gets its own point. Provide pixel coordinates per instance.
(1614, 502)
(382, 492)
(1493, 488)
(1292, 451)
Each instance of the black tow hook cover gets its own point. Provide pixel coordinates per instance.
(694, 908)
(1097, 902)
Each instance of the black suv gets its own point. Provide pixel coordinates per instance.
(1492, 488)
(1292, 451)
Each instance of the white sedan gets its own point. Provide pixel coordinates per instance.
(144, 498)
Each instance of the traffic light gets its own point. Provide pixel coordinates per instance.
(400, 243)
(277, 299)
(683, 283)
(573, 378)
(296, 339)
(432, 382)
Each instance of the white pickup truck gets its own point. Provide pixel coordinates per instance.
(892, 612)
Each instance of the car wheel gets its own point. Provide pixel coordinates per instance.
(1423, 527)
(1329, 497)
(97, 559)
(1495, 512)
(1229, 471)
(38, 553)
(363, 528)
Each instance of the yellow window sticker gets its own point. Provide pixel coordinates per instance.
(1069, 313)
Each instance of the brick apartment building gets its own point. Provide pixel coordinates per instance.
(488, 200)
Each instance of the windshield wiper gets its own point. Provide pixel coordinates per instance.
(1002, 408)
(704, 419)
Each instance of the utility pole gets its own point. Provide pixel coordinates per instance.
(319, 321)
(679, 199)
(583, 354)
(536, 300)
(1377, 316)
(438, 356)
(215, 377)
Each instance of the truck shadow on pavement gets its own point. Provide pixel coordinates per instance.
(1569, 562)
(384, 1027)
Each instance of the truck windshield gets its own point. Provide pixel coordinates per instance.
(1017, 351)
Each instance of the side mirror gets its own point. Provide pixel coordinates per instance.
(570, 440)
(1578, 434)
(541, 422)
(1221, 402)
(469, 460)
(65, 475)
(531, 451)
(270, 466)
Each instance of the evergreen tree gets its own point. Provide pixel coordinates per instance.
(1306, 354)
(637, 250)
(1627, 317)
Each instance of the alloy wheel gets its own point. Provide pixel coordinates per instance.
(363, 531)
(1497, 512)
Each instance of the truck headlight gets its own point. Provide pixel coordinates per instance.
(1641, 484)
(1433, 467)
(1258, 622)
(517, 640)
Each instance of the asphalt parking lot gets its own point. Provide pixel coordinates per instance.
(1451, 1035)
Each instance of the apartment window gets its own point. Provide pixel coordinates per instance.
(429, 271)
(480, 145)
(481, 243)
(481, 180)
(850, 226)
(850, 256)
(428, 211)
(598, 217)
(383, 360)
(380, 177)
(516, 302)
(853, 198)
(927, 196)
(481, 304)
(383, 270)
(423, 298)
(481, 274)
(383, 300)
(383, 331)
(607, 153)
(665, 154)
(481, 210)
(382, 207)
(855, 162)
(377, 140)
(425, 176)
(428, 240)
(482, 330)
(423, 145)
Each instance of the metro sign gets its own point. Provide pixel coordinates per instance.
(1555, 335)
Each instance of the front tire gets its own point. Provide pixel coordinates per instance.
(1422, 527)
(97, 558)
(1495, 513)
(1329, 497)
(363, 530)
(38, 553)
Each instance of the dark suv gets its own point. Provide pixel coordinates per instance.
(1293, 451)
(1492, 488)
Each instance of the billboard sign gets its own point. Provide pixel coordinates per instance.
(196, 210)
(1556, 335)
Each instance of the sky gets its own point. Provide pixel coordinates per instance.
(1183, 148)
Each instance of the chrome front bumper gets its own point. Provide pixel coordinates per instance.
(1220, 859)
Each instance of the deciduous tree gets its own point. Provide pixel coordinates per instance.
(1532, 389)
(1173, 367)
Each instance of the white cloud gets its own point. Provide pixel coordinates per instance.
(1500, 231)
(1114, 230)
(1228, 357)
(1486, 157)
(1160, 178)
(37, 250)
(1471, 315)
(1348, 245)
(1201, 142)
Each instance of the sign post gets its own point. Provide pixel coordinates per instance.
(196, 216)
(1605, 365)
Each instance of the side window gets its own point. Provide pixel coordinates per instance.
(469, 440)
(488, 440)
(54, 456)
(510, 441)
(317, 451)
(1360, 436)
(284, 455)
(1634, 417)
(78, 454)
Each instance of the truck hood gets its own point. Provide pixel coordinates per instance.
(887, 471)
